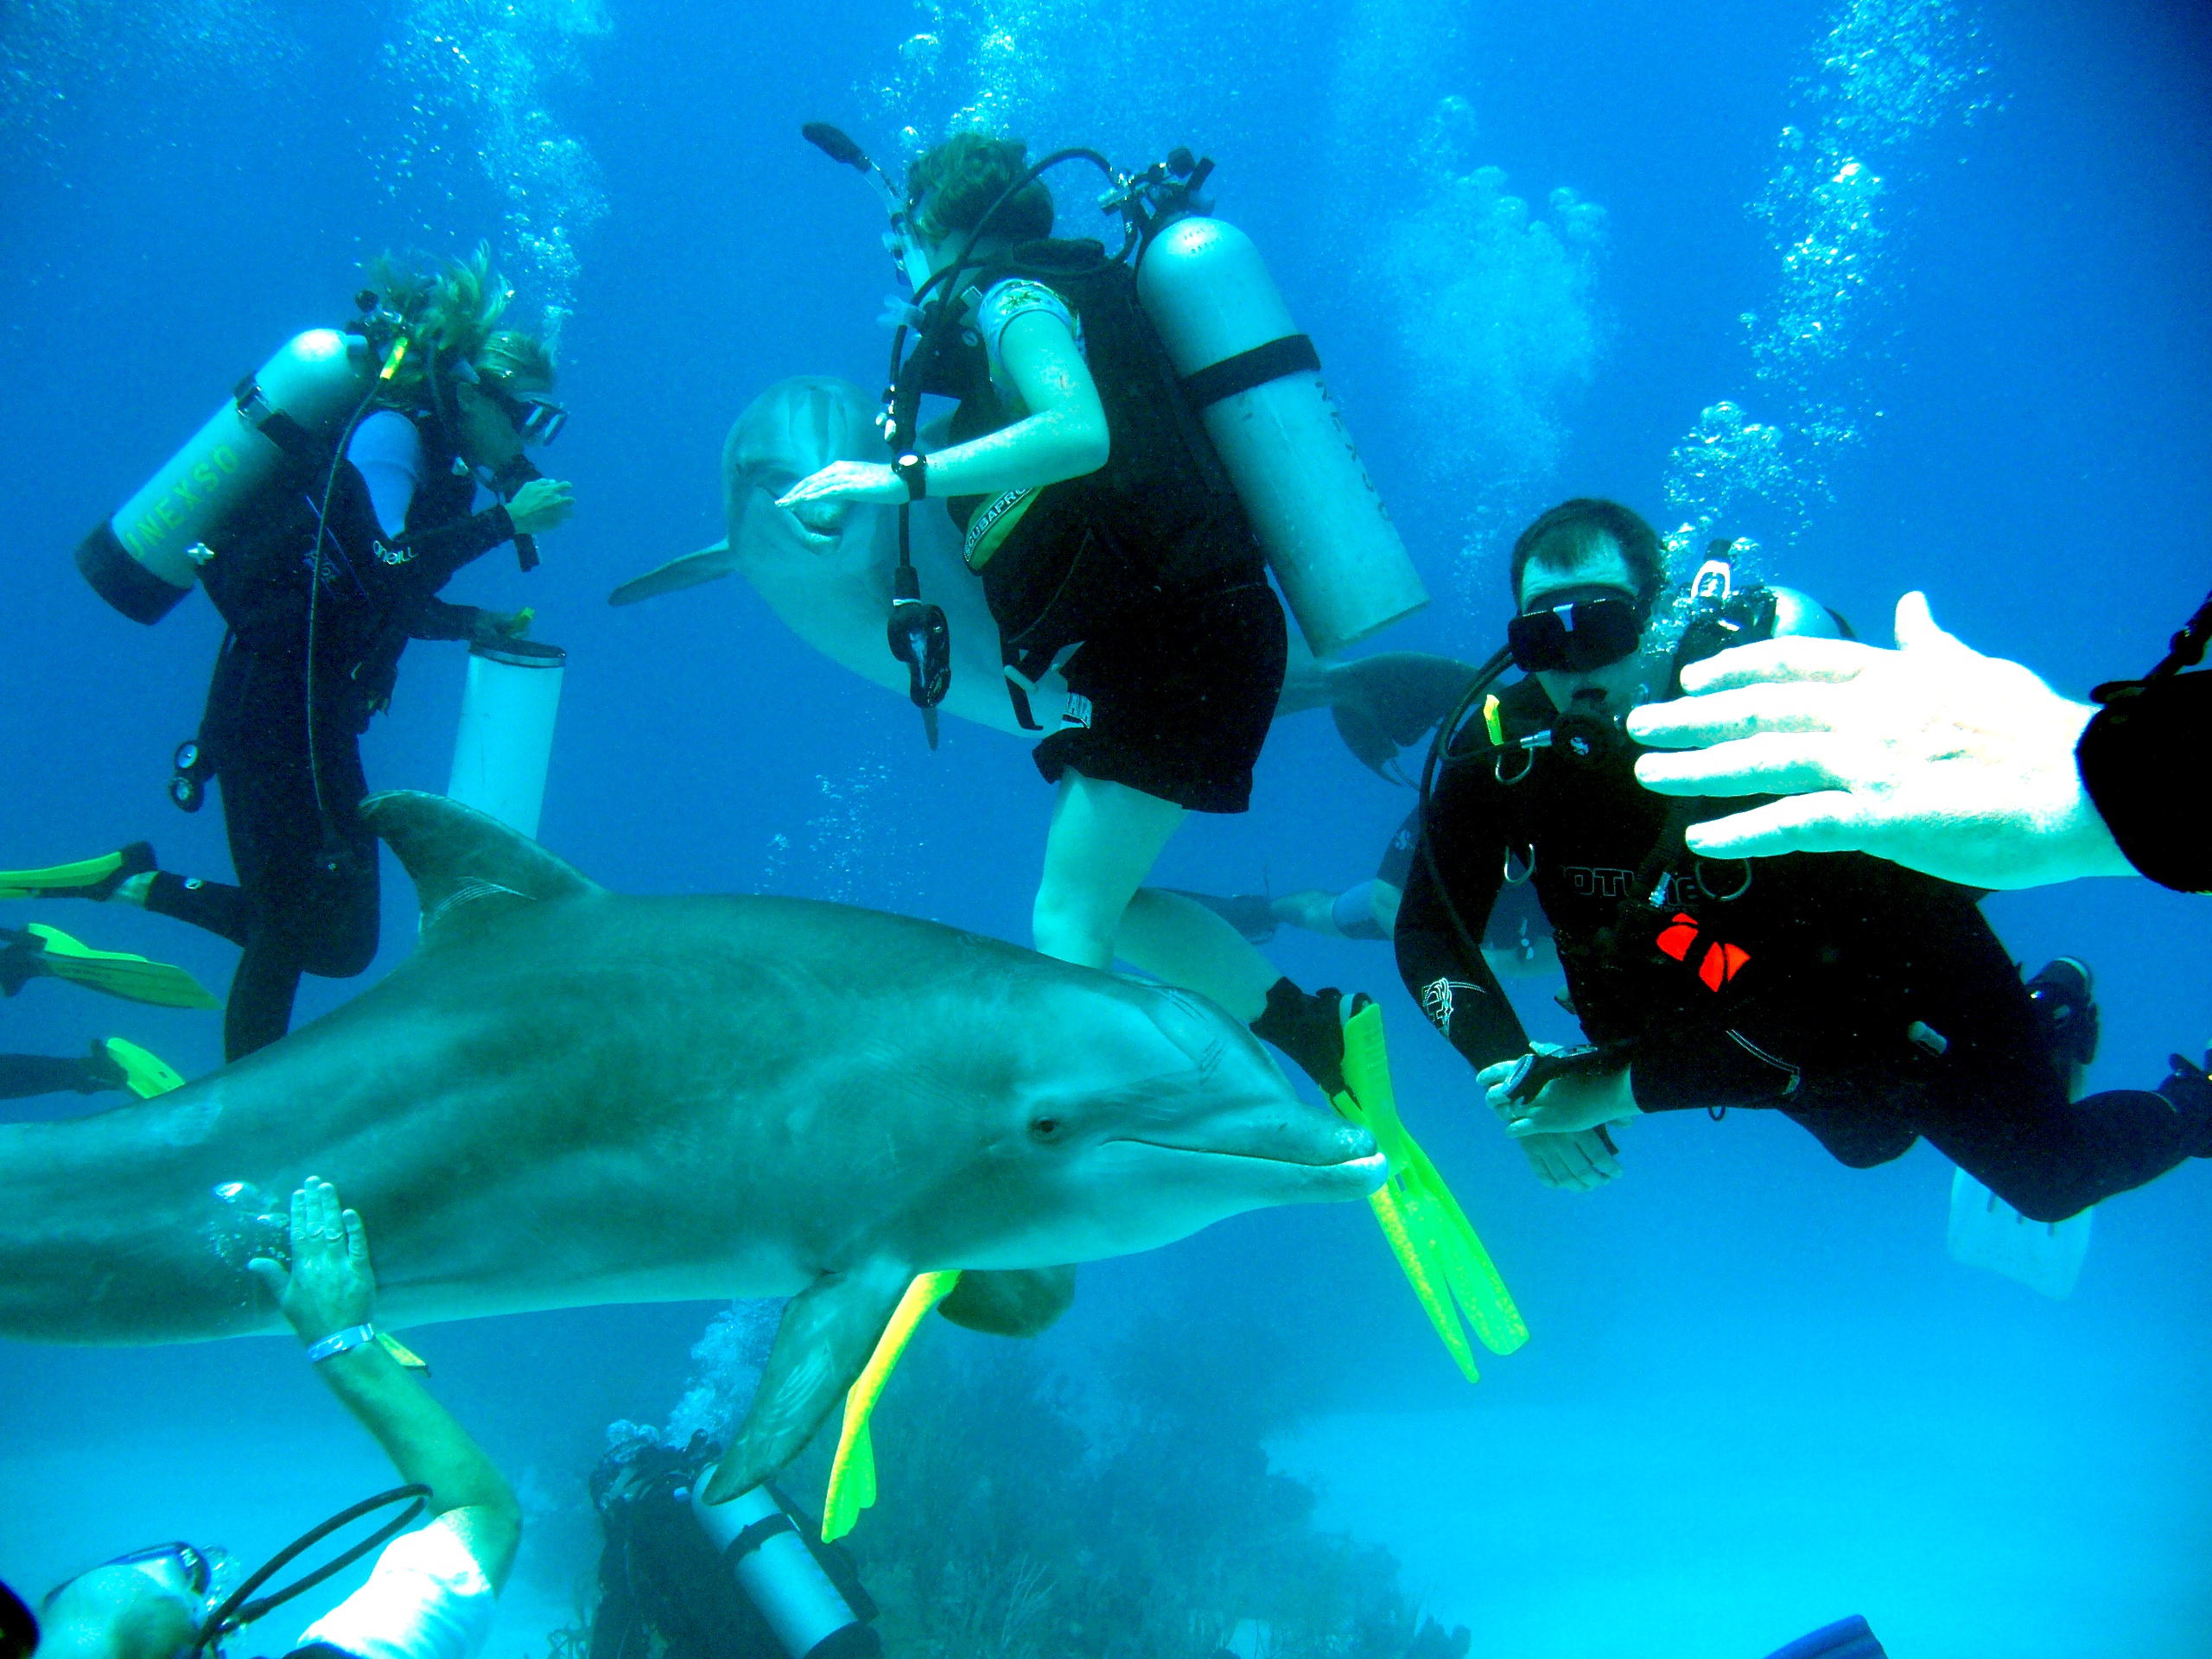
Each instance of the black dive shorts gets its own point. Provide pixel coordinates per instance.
(1181, 694)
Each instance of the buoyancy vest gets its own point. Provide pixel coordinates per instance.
(1654, 937)
(1159, 519)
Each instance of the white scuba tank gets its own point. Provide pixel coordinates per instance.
(506, 741)
(1257, 383)
(146, 558)
(781, 1576)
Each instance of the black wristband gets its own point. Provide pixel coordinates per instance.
(914, 469)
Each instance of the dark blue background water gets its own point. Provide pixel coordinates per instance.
(1759, 1394)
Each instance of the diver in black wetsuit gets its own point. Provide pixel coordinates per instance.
(1871, 1004)
(388, 523)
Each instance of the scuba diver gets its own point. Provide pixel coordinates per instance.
(41, 953)
(1110, 545)
(380, 512)
(1871, 1004)
(1116, 532)
(668, 1590)
(432, 1592)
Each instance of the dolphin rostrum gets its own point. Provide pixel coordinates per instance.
(568, 1097)
(825, 569)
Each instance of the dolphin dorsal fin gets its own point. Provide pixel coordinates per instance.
(467, 866)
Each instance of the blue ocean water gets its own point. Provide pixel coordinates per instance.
(1910, 292)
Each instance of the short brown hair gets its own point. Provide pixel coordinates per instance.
(953, 187)
(1575, 530)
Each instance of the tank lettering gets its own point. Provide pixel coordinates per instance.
(145, 536)
(168, 514)
(205, 476)
(226, 458)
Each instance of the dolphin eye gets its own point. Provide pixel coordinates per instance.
(1045, 1129)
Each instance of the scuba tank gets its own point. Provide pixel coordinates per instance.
(1256, 382)
(781, 1576)
(505, 740)
(146, 557)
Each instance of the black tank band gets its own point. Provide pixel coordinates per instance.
(1289, 355)
(122, 581)
(756, 1536)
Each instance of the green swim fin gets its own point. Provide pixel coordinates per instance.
(88, 878)
(852, 1472)
(118, 972)
(1450, 1273)
(144, 1075)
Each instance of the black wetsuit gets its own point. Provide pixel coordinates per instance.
(2142, 760)
(1149, 562)
(1871, 1004)
(306, 898)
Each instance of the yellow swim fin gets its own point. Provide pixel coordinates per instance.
(400, 1352)
(852, 1472)
(144, 1075)
(88, 878)
(1450, 1273)
(118, 973)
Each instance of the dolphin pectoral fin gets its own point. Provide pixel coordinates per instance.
(708, 564)
(1010, 1301)
(828, 1335)
(467, 866)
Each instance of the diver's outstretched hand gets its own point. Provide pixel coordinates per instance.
(330, 1286)
(1932, 755)
(1582, 1160)
(848, 480)
(542, 503)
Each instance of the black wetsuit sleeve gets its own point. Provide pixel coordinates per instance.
(1439, 955)
(440, 551)
(2135, 757)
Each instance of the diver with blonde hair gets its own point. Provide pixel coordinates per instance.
(322, 577)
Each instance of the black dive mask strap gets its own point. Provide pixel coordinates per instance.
(2185, 650)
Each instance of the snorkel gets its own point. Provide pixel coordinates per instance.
(908, 255)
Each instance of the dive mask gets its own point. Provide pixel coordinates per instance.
(537, 416)
(1577, 635)
(199, 1575)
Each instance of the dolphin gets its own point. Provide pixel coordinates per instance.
(568, 1097)
(825, 569)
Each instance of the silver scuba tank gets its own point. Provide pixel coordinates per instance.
(146, 557)
(781, 1576)
(505, 740)
(1257, 382)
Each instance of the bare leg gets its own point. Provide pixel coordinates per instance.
(1105, 839)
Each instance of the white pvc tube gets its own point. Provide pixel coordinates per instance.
(506, 741)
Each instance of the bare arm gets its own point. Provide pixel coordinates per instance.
(330, 1287)
(1063, 436)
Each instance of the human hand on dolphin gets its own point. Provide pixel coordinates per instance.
(847, 480)
(1932, 755)
(330, 1286)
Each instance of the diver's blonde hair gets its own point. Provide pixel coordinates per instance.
(452, 315)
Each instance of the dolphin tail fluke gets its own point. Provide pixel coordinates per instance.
(1384, 702)
(852, 1472)
(1450, 1273)
(466, 863)
(708, 564)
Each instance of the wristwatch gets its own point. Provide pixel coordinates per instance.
(914, 470)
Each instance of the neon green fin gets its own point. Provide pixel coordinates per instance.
(144, 1075)
(1450, 1273)
(852, 1473)
(88, 878)
(120, 974)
